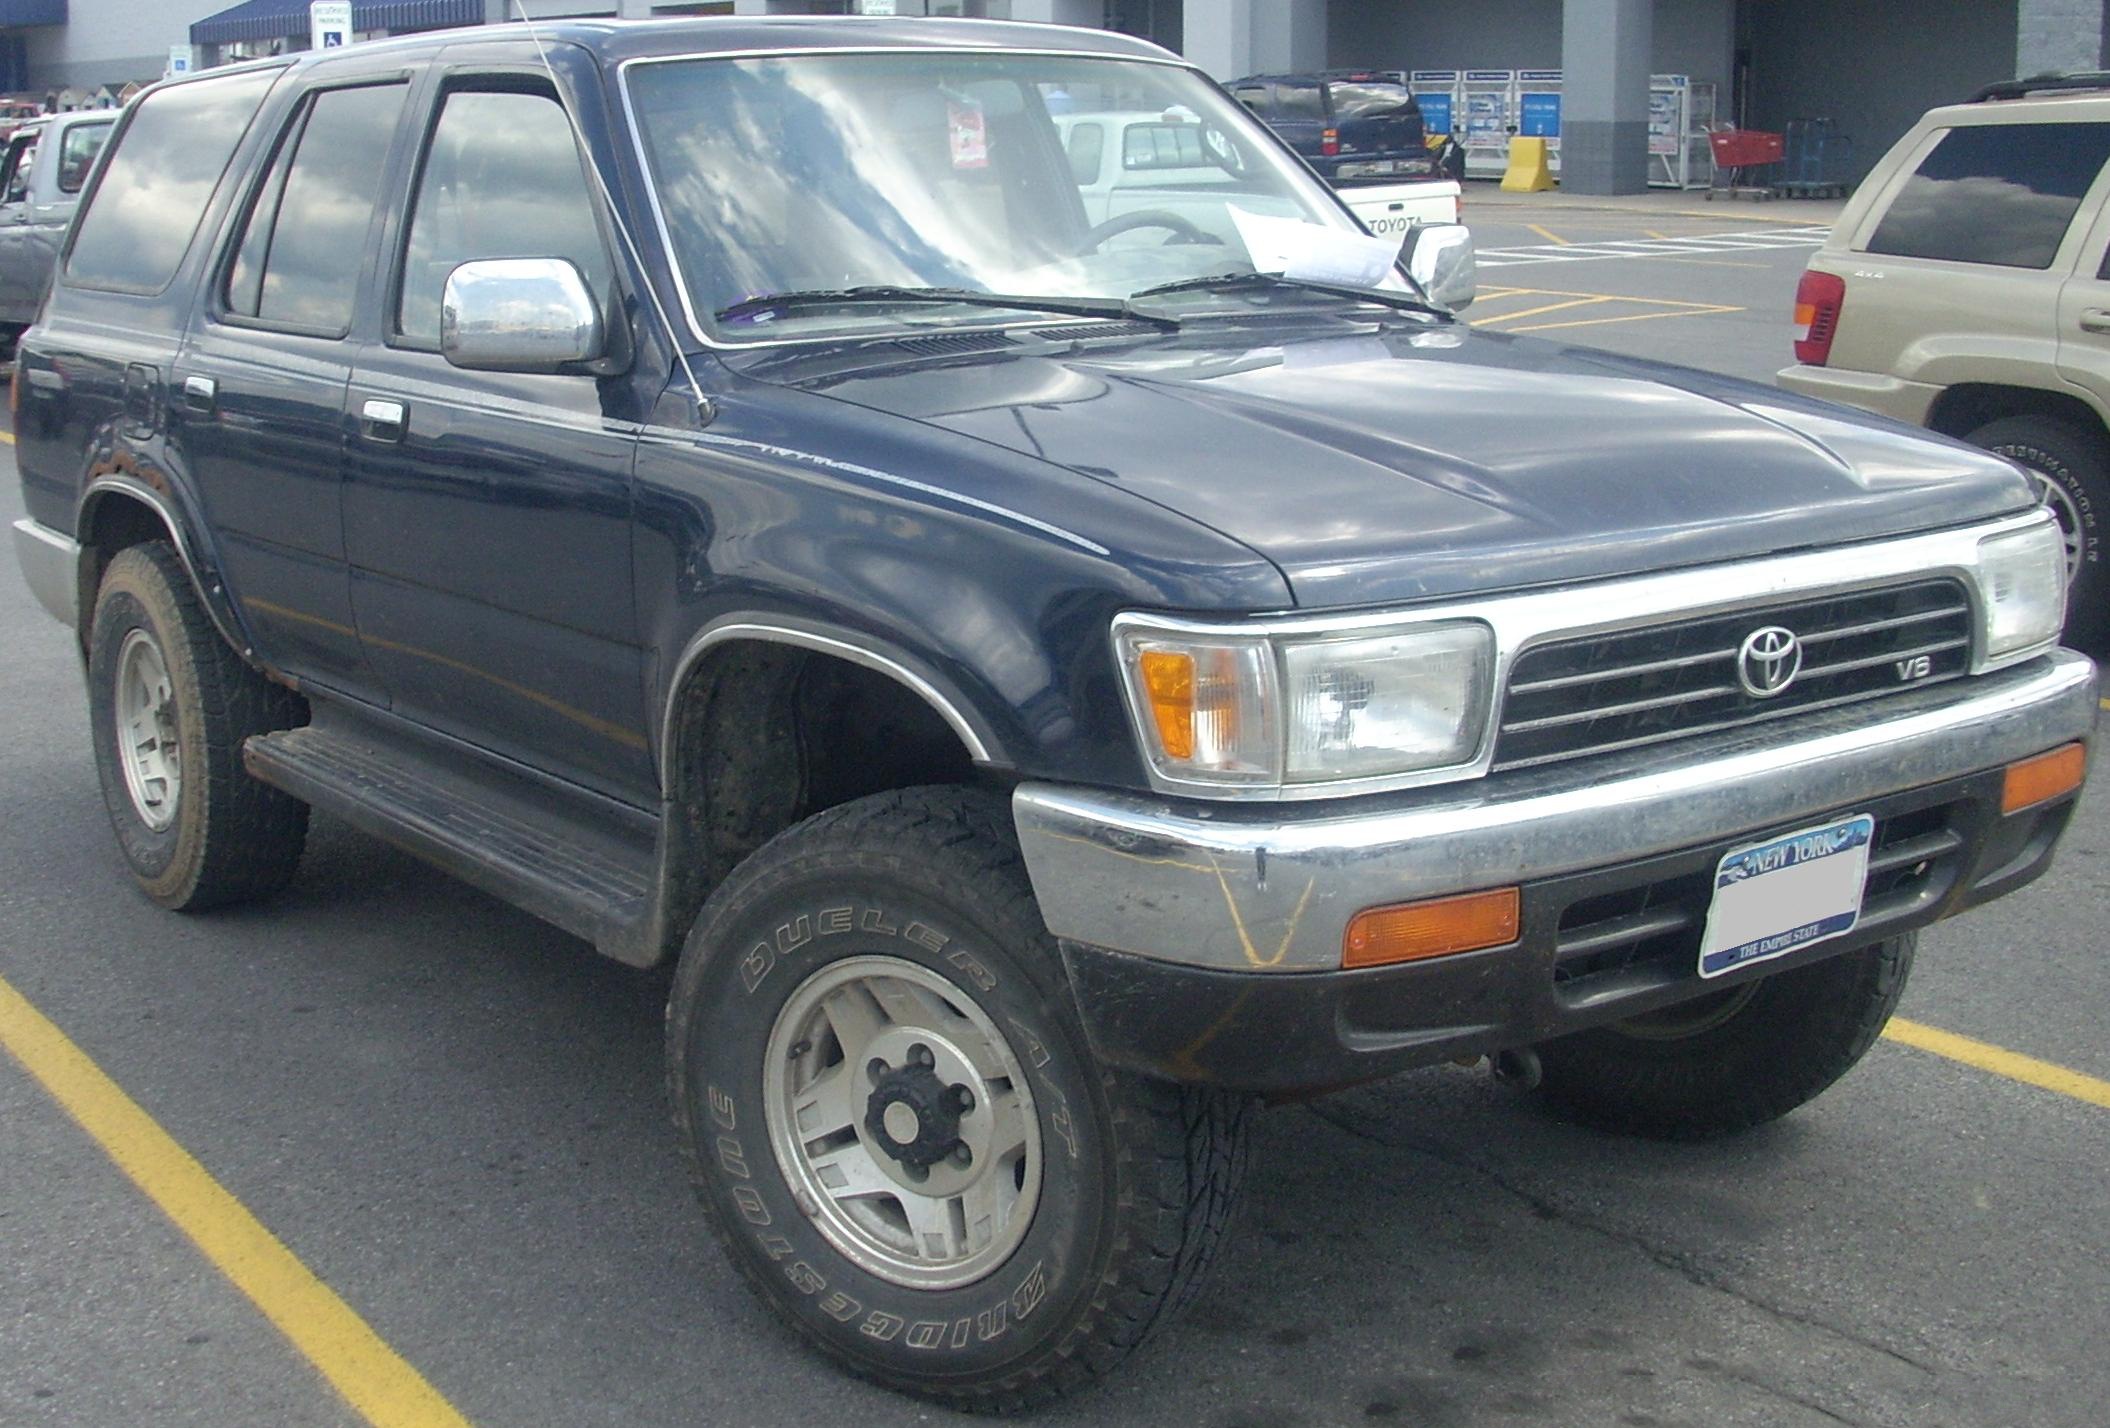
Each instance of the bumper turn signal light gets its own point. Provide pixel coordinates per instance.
(1437, 927)
(2043, 778)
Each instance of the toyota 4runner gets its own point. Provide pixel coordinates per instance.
(1050, 680)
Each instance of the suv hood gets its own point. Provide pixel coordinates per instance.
(1407, 463)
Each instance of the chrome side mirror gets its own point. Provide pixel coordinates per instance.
(519, 315)
(1440, 258)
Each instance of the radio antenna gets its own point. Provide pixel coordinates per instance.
(622, 226)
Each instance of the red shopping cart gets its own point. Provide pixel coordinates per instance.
(1744, 161)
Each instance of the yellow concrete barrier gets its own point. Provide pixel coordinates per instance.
(1527, 171)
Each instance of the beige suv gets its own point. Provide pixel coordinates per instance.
(1966, 288)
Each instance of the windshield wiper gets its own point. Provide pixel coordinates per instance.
(1234, 282)
(879, 295)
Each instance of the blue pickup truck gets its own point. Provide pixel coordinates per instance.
(1053, 679)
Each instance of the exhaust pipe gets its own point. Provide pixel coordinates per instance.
(1517, 1067)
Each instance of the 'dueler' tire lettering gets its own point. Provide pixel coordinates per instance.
(897, 1130)
(1731, 1060)
(2070, 469)
(169, 705)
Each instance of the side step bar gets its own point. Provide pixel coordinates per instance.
(533, 847)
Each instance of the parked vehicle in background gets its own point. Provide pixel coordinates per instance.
(1966, 288)
(42, 172)
(1049, 679)
(1352, 126)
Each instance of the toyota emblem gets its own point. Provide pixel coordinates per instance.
(1768, 661)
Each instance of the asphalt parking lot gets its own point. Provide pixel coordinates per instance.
(394, 1153)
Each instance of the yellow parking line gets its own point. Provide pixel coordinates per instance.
(1606, 321)
(2001, 1062)
(1549, 236)
(8, 437)
(1654, 234)
(1623, 297)
(1535, 311)
(385, 1390)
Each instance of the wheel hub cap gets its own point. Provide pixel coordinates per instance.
(903, 1122)
(148, 749)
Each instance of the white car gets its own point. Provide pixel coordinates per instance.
(1130, 161)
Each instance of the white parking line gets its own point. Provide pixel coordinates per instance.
(1805, 237)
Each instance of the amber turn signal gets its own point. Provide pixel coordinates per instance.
(2043, 778)
(1168, 676)
(1409, 931)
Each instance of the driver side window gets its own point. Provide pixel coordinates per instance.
(21, 163)
(502, 178)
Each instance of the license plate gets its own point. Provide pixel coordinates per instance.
(1775, 897)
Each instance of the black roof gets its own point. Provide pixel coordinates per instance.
(2043, 84)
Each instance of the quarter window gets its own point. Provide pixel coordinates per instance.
(1995, 193)
(146, 206)
(502, 178)
(1300, 101)
(299, 258)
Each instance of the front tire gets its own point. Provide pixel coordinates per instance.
(897, 1129)
(1731, 1060)
(2070, 470)
(169, 705)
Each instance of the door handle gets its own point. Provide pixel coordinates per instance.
(200, 394)
(381, 421)
(2096, 319)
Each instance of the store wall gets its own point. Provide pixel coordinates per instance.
(111, 42)
(1692, 37)
(1872, 66)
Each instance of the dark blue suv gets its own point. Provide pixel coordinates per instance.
(1353, 126)
(1051, 675)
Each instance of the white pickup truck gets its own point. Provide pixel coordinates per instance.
(1128, 161)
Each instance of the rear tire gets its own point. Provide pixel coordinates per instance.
(989, 1266)
(2071, 470)
(170, 704)
(1732, 1060)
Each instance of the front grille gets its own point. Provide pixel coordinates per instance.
(1632, 687)
(1650, 929)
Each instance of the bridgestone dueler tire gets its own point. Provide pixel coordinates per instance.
(2078, 463)
(1798, 1032)
(1138, 1177)
(231, 839)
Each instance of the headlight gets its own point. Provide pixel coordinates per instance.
(2022, 588)
(1231, 710)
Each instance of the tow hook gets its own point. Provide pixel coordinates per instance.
(1517, 1068)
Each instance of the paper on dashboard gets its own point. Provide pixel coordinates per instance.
(1312, 252)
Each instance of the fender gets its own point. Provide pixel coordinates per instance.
(945, 698)
(197, 561)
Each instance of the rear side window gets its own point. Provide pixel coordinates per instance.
(1252, 96)
(21, 167)
(299, 256)
(145, 209)
(77, 152)
(1995, 193)
(1087, 148)
(503, 179)
(1300, 101)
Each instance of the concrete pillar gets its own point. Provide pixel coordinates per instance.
(1289, 37)
(1605, 46)
(1218, 36)
(2053, 35)
(1059, 12)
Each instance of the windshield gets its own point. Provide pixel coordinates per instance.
(1053, 177)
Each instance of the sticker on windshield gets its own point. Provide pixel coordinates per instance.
(969, 128)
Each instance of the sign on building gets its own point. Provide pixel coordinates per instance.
(330, 24)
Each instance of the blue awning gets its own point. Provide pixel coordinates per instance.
(32, 12)
(282, 19)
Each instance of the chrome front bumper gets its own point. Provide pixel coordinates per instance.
(1245, 888)
(50, 563)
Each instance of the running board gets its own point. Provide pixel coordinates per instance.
(535, 848)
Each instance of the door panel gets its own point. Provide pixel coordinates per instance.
(259, 391)
(488, 532)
